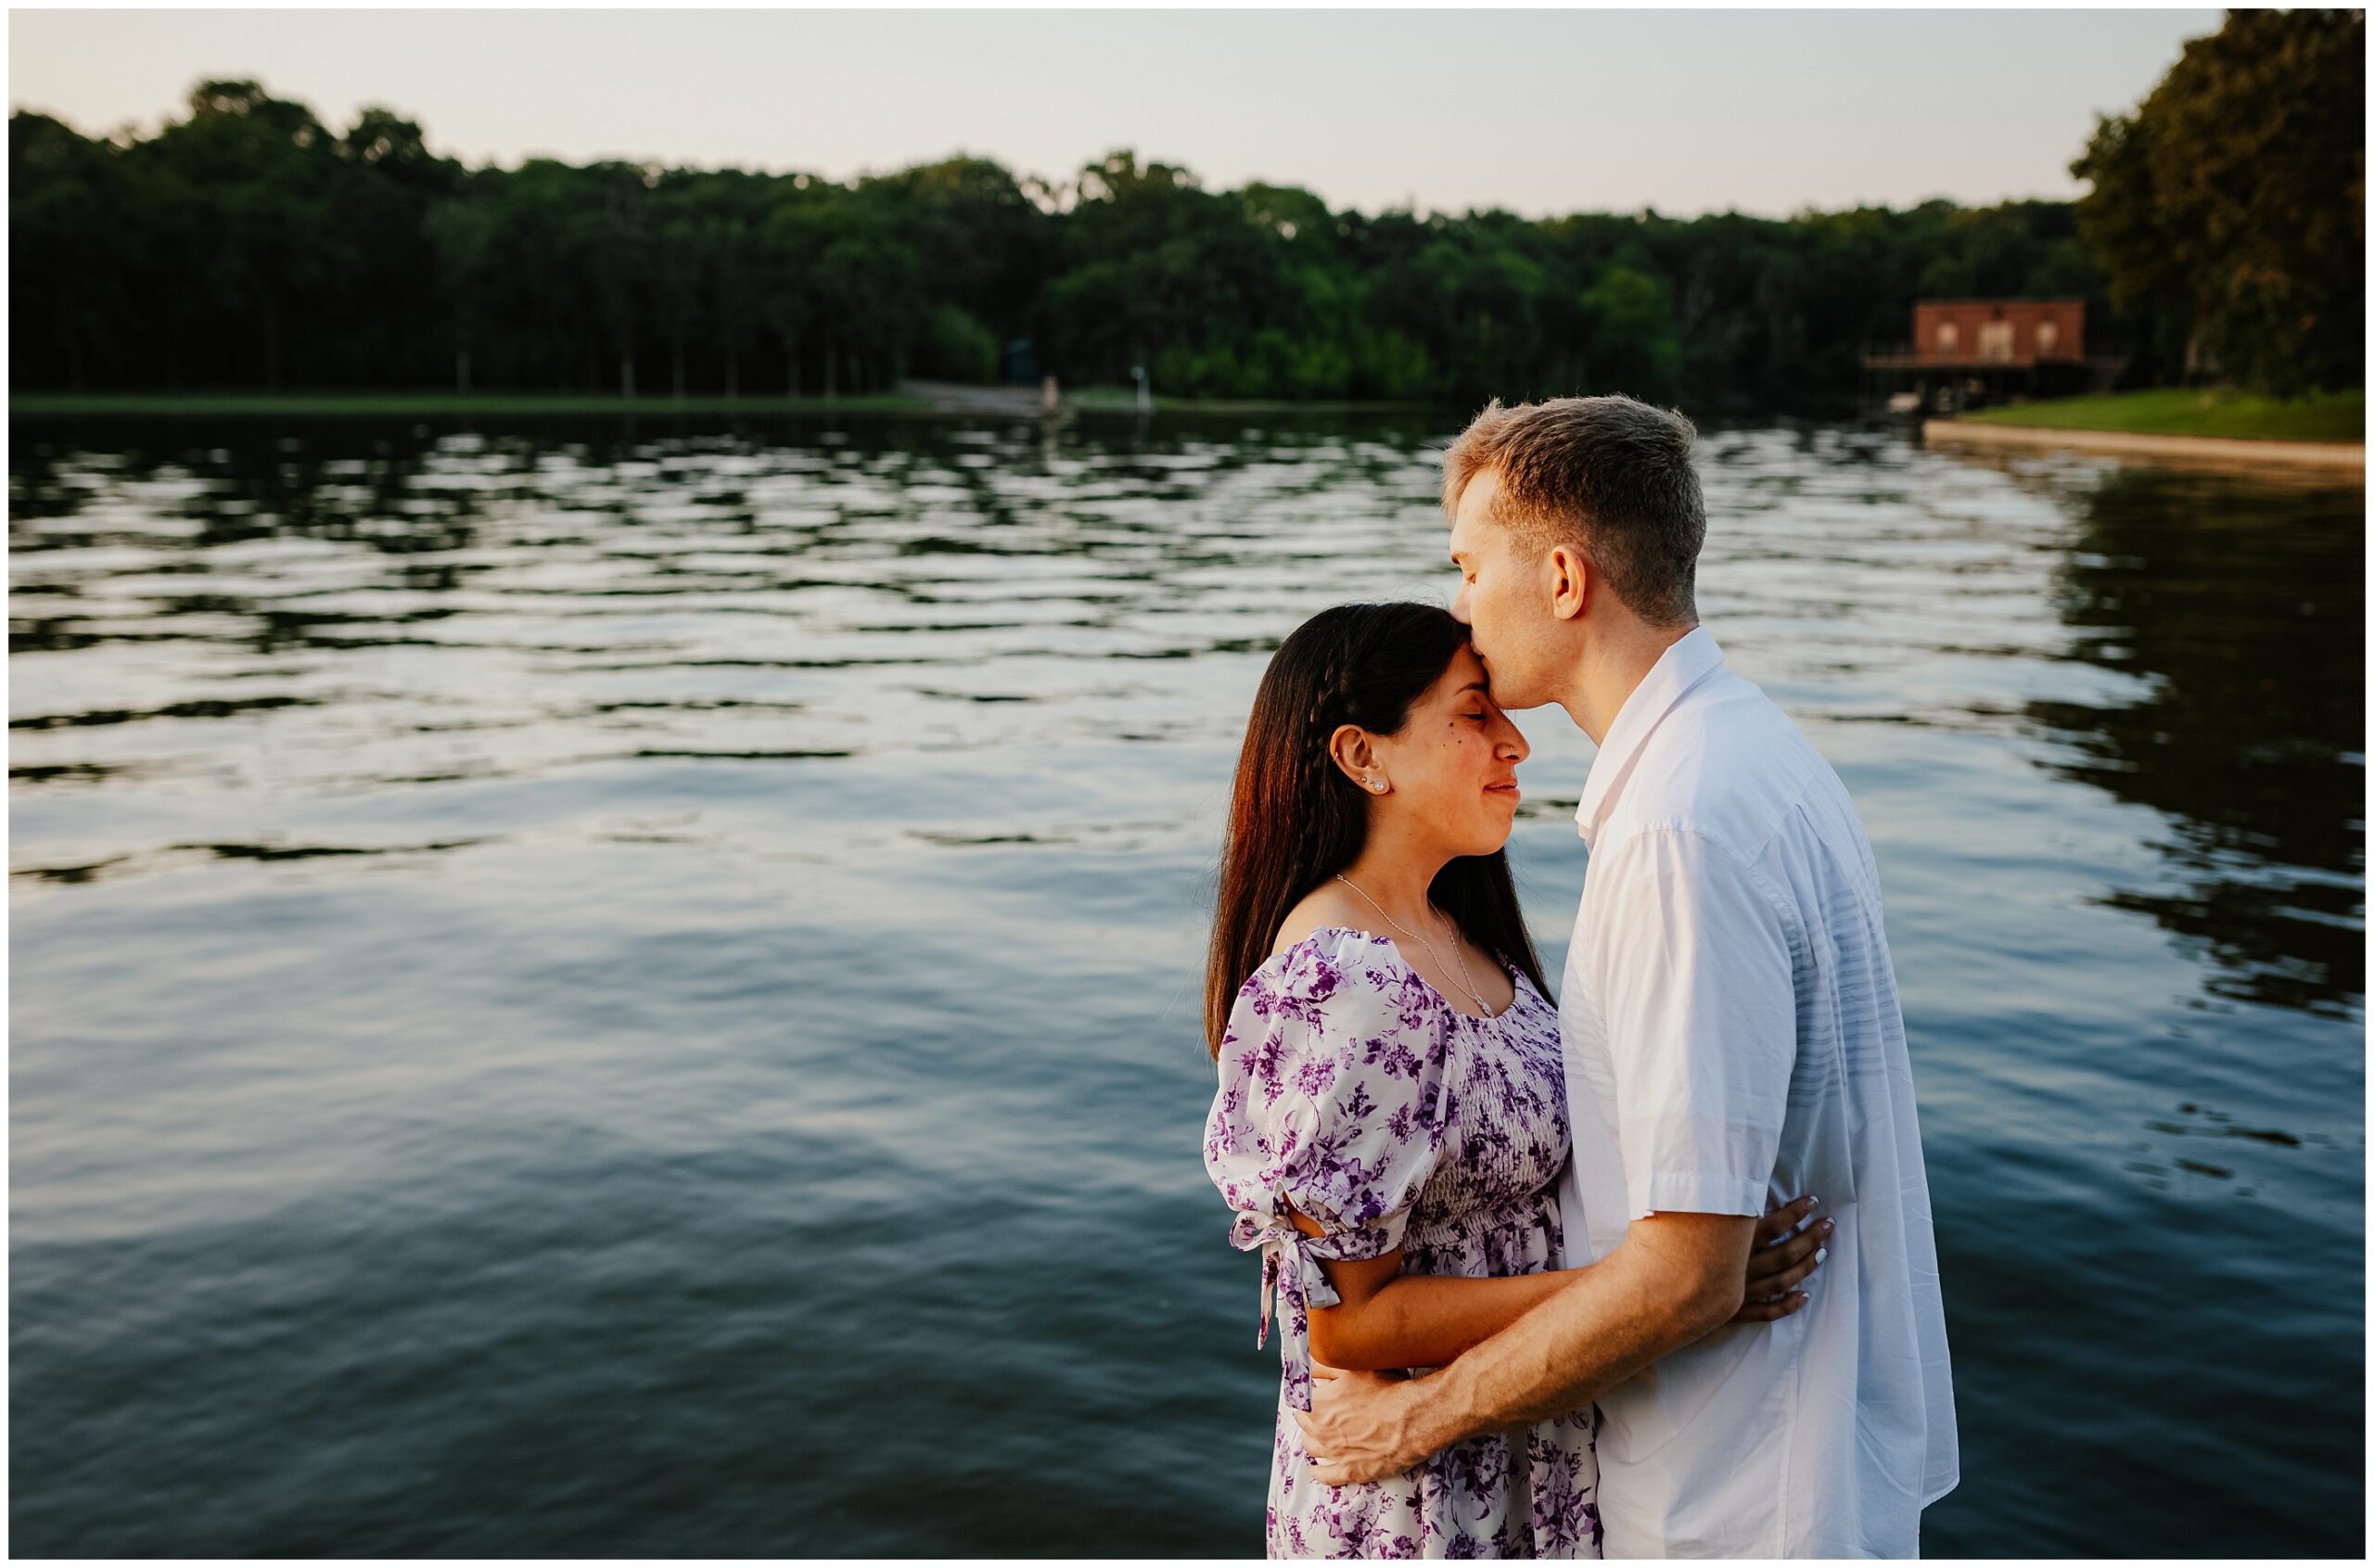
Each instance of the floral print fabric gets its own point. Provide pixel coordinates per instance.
(1352, 1091)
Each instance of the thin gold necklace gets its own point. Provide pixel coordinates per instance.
(1465, 978)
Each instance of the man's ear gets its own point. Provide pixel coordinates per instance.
(1569, 580)
(1348, 746)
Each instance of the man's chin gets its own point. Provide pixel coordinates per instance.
(1508, 700)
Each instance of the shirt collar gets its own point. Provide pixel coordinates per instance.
(1684, 665)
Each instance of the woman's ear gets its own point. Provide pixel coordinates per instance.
(1350, 748)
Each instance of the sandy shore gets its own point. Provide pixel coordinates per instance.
(2224, 451)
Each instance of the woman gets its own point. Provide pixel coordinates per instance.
(1390, 1119)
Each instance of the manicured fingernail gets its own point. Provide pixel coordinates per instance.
(1827, 1226)
(1820, 1253)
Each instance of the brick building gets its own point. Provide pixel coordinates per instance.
(1989, 332)
(1968, 352)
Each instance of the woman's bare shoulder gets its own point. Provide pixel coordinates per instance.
(1324, 906)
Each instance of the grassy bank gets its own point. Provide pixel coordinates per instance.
(1086, 400)
(425, 405)
(1124, 400)
(2196, 411)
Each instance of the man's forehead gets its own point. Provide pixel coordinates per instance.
(1474, 508)
(1467, 534)
(1482, 489)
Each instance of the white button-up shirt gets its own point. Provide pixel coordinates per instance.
(1732, 1036)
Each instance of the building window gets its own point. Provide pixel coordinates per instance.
(1948, 338)
(2047, 337)
(1994, 339)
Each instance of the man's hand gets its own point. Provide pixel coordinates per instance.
(1359, 1427)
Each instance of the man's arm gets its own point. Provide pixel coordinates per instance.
(1674, 1279)
(1691, 967)
(1386, 1319)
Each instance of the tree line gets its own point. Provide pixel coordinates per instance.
(247, 245)
(2229, 209)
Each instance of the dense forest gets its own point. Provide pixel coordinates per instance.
(247, 245)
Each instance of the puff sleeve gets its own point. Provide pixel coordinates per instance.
(1329, 1100)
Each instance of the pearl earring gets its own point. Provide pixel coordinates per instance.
(1377, 784)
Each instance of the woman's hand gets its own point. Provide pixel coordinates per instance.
(1778, 1262)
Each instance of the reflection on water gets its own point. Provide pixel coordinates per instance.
(2238, 610)
(614, 987)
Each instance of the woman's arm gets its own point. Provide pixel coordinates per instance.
(1386, 1319)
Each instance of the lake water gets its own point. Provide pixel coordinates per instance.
(633, 988)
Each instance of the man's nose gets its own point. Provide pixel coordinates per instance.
(1459, 605)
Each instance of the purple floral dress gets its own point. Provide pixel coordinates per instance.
(1350, 1087)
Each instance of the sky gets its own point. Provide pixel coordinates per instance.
(1539, 113)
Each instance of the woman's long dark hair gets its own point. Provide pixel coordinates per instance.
(1295, 820)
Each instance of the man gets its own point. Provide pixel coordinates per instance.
(1732, 1033)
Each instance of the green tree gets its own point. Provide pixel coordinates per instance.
(614, 242)
(982, 238)
(257, 175)
(465, 234)
(679, 272)
(730, 246)
(66, 220)
(1634, 348)
(2234, 200)
(958, 347)
(387, 182)
(868, 294)
(789, 240)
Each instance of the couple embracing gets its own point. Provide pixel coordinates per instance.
(1646, 1270)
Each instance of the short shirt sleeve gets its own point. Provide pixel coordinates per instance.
(1324, 1104)
(1698, 997)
